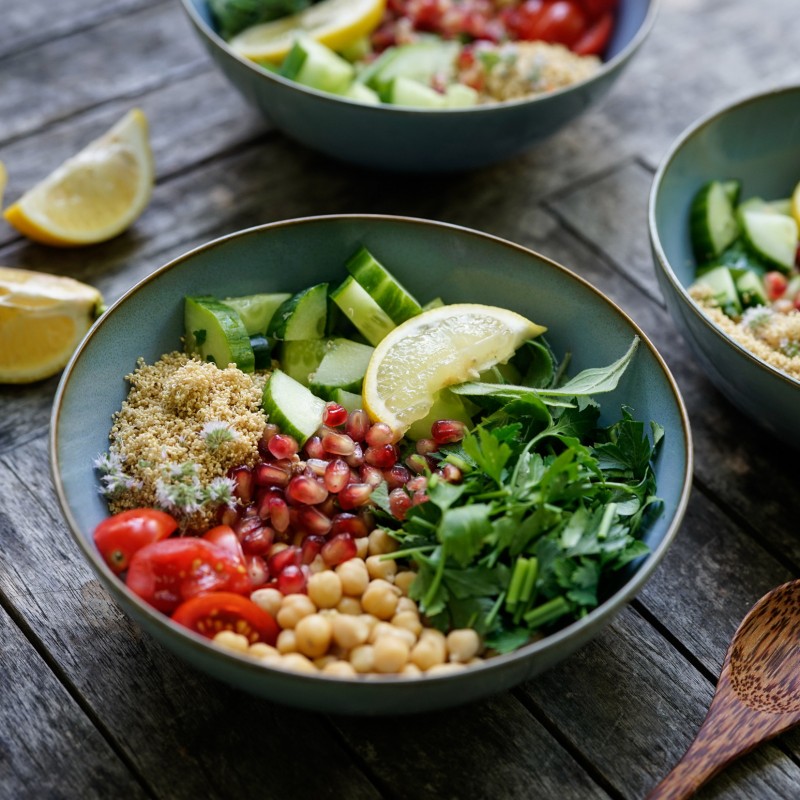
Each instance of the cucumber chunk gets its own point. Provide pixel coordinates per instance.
(262, 351)
(459, 95)
(446, 405)
(713, 223)
(299, 359)
(350, 401)
(720, 281)
(383, 287)
(437, 302)
(292, 407)
(315, 65)
(342, 367)
(361, 93)
(256, 310)
(751, 289)
(408, 92)
(302, 316)
(216, 333)
(418, 61)
(772, 237)
(734, 190)
(371, 320)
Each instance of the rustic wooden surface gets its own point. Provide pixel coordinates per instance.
(90, 707)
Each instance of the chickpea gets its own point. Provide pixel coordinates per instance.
(444, 669)
(325, 589)
(323, 661)
(349, 605)
(342, 669)
(407, 604)
(370, 620)
(387, 629)
(354, 576)
(297, 662)
(404, 579)
(268, 600)
(390, 653)
(234, 642)
(293, 608)
(381, 568)
(362, 548)
(317, 565)
(276, 548)
(287, 642)
(411, 670)
(463, 644)
(380, 599)
(408, 620)
(349, 631)
(313, 635)
(381, 542)
(362, 658)
(262, 650)
(428, 651)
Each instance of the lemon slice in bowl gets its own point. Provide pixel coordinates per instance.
(94, 195)
(42, 319)
(795, 204)
(334, 23)
(436, 349)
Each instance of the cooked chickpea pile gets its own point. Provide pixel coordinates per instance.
(356, 619)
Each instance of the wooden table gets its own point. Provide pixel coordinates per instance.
(92, 707)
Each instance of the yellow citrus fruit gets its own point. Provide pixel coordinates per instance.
(42, 319)
(94, 195)
(3, 179)
(795, 206)
(334, 23)
(438, 348)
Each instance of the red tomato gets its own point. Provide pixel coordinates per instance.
(168, 572)
(596, 8)
(223, 536)
(523, 19)
(560, 22)
(595, 40)
(211, 613)
(119, 537)
(775, 284)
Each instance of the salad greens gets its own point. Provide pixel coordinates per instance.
(549, 507)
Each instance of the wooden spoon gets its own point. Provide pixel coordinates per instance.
(757, 696)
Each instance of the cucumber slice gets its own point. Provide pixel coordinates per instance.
(313, 64)
(446, 405)
(783, 206)
(459, 95)
(713, 223)
(262, 351)
(734, 190)
(362, 94)
(371, 320)
(348, 400)
(383, 287)
(256, 310)
(418, 61)
(751, 289)
(216, 333)
(721, 283)
(292, 407)
(299, 359)
(302, 316)
(342, 367)
(772, 237)
(437, 302)
(402, 91)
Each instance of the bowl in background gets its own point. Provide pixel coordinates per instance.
(413, 139)
(757, 141)
(431, 259)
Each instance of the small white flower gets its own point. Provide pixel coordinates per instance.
(107, 462)
(756, 316)
(216, 433)
(220, 492)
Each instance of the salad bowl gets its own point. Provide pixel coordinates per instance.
(418, 139)
(431, 259)
(753, 141)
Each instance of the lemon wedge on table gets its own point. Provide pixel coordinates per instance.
(3, 180)
(42, 319)
(436, 349)
(94, 195)
(334, 23)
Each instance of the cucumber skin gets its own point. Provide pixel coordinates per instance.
(699, 223)
(757, 251)
(231, 328)
(286, 324)
(332, 374)
(302, 430)
(378, 323)
(266, 304)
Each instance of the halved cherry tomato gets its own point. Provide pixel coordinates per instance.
(211, 613)
(595, 40)
(559, 22)
(223, 536)
(596, 8)
(118, 537)
(168, 572)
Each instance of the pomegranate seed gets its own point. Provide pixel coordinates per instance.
(334, 415)
(349, 523)
(328, 506)
(357, 425)
(417, 463)
(426, 447)
(257, 570)
(338, 443)
(775, 284)
(447, 431)
(283, 559)
(354, 495)
(314, 448)
(282, 445)
(419, 497)
(305, 490)
(380, 433)
(311, 547)
(451, 473)
(371, 475)
(271, 475)
(257, 541)
(263, 443)
(416, 483)
(796, 301)
(246, 523)
(337, 475)
(317, 466)
(383, 456)
(396, 476)
(399, 503)
(278, 513)
(243, 477)
(356, 458)
(338, 548)
(314, 521)
(227, 515)
(292, 580)
(367, 516)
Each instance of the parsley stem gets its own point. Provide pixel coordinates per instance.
(517, 580)
(490, 617)
(547, 612)
(605, 523)
(492, 495)
(436, 582)
(409, 551)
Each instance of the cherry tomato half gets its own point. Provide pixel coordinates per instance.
(596, 8)
(558, 22)
(208, 614)
(120, 536)
(168, 572)
(595, 40)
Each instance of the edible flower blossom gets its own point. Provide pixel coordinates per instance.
(756, 316)
(113, 479)
(216, 433)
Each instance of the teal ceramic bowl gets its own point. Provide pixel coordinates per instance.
(408, 139)
(757, 141)
(431, 259)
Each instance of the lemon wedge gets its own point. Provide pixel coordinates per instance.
(94, 195)
(438, 348)
(334, 23)
(3, 180)
(795, 204)
(42, 319)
